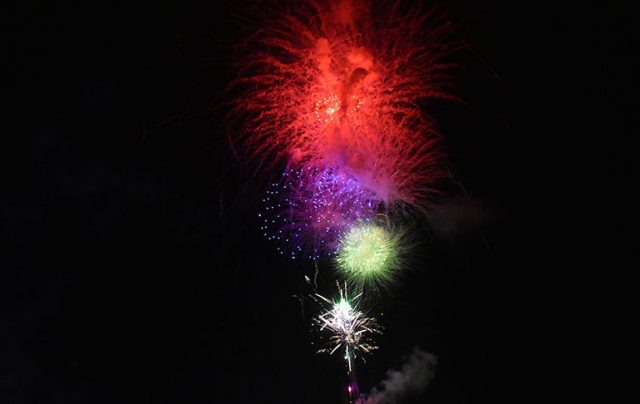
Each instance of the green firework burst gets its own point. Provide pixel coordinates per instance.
(368, 256)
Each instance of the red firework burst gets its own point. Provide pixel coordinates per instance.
(335, 84)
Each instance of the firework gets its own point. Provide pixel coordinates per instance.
(310, 209)
(368, 256)
(341, 84)
(350, 329)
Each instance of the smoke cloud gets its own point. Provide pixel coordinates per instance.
(409, 382)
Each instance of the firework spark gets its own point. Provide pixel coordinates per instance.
(350, 328)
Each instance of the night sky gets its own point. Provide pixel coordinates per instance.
(132, 268)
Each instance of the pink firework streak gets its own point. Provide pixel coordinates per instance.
(329, 84)
(311, 209)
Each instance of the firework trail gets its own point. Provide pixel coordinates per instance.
(340, 84)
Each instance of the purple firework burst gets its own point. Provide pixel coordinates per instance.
(309, 210)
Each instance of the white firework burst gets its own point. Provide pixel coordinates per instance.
(350, 328)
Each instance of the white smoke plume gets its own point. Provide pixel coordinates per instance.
(409, 382)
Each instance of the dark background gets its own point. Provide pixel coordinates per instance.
(131, 266)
